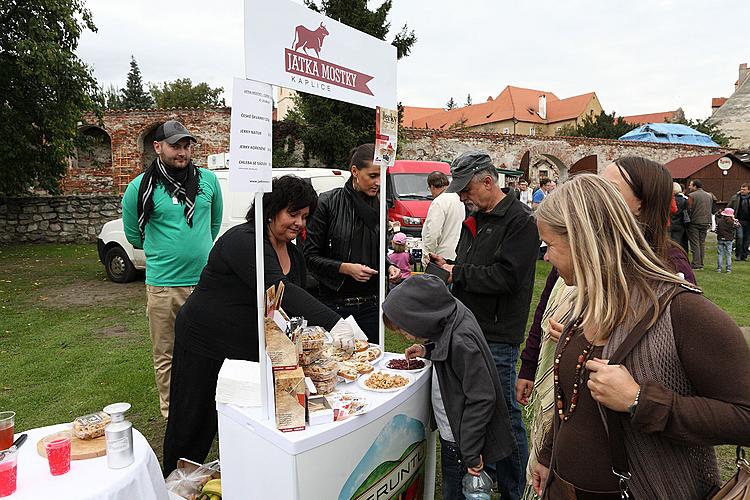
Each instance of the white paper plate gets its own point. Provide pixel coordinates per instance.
(354, 358)
(364, 378)
(384, 366)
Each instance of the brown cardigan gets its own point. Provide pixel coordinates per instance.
(716, 359)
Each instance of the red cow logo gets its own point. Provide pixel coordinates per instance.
(308, 39)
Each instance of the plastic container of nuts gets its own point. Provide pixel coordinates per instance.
(323, 369)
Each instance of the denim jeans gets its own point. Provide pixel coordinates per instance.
(512, 469)
(743, 239)
(365, 314)
(724, 254)
(453, 471)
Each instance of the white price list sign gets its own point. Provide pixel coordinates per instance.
(250, 146)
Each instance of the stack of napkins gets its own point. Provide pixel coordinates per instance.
(239, 383)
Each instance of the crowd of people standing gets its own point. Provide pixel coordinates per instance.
(615, 366)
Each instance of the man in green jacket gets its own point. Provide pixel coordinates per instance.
(173, 212)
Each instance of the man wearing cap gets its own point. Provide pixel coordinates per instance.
(173, 212)
(493, 275)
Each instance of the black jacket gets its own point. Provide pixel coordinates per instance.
(469, 384)
(494, 269)
(678, 218)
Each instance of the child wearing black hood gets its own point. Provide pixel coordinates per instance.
(467, 400)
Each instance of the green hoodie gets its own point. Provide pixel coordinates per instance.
(175, 252)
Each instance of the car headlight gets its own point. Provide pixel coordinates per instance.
(414, 221)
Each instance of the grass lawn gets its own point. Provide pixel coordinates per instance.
(71, 342)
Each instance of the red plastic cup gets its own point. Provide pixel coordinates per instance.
(6, 429)
(8, 471)
(57, 447)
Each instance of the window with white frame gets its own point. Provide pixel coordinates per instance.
(532, 131)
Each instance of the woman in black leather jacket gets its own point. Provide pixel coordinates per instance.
(342, 246)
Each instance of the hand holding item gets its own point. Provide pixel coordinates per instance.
(437, 259)
(449, 268)
(476, 471)
(394, 274)
(343, 335)
(523, 390)
(611, 385)
(555, 330)
(359, 272)
(539, 476)
(415, 351)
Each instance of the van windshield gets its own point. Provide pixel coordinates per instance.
(411, 186)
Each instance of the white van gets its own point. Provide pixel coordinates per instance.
(122, 262)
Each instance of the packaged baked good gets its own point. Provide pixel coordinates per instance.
(90, 426)
(310, 356)
(313, 337)
(325, 386)
(323, 369)
(289, 392)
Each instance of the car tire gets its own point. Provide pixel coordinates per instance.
(118, 266)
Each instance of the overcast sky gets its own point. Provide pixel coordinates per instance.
(640, 56)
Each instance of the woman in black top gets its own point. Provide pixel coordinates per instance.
(219, 319)
(342, 246)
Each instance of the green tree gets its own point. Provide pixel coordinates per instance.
(468, 100)
(44, 91)
(111, 97)
(181, 93)
(602, 126)
(451, 104)
(332, 128)
(133, 96)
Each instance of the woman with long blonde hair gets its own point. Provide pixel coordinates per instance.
(675, 395)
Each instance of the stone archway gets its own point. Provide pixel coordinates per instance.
(146, 144)
(96, 150)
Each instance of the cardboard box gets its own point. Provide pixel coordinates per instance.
(319, 410)
(283, 351)
(289, 392)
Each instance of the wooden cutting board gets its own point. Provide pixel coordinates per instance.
(80, 449)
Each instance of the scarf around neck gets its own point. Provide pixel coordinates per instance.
(182, 186)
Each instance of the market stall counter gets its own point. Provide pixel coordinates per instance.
(386, 452)
(90, 478)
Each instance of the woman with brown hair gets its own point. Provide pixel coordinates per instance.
(342, 248)
(674, 394)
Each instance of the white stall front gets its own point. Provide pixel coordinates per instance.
(388, 452)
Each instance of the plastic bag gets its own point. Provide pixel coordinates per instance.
(187, 479)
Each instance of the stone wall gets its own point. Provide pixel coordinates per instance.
(560, 152)
(56, 219)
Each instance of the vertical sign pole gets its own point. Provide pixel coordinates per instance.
(383, 271)
(261, 296)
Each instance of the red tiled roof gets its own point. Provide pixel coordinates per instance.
(662, 117)
(513, 102)
(718, 102)
(682, 168)
(412, 114)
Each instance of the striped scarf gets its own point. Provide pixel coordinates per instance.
(182, 191)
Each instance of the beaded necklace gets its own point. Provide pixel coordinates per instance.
(577, 378)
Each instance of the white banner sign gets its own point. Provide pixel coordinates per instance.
(289, 45)
(250, 141)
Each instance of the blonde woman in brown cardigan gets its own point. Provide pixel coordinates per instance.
(682, 389)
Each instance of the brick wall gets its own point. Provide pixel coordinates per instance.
(56, 219)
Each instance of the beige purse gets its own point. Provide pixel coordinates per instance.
(738, 486)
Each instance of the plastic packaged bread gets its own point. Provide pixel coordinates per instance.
(90, 426)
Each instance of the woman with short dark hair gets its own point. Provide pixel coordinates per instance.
(220, 318)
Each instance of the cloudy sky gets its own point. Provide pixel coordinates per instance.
(639, 56)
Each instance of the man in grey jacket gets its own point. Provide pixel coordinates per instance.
(467, 399)
(700, 204)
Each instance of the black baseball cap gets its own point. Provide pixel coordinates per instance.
(172, 131)
(465, 166)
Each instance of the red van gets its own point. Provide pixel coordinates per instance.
(407, 195)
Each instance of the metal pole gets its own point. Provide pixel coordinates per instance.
(383, 271)
(261, 302)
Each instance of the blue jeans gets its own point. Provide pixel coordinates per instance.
(724, 254)
(512, 468)
(453, 471)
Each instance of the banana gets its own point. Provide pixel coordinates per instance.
(215, 497)
(212, 488)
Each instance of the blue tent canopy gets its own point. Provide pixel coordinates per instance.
(669, 132)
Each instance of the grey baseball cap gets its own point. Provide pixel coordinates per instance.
(465, 166)
(172, 131)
